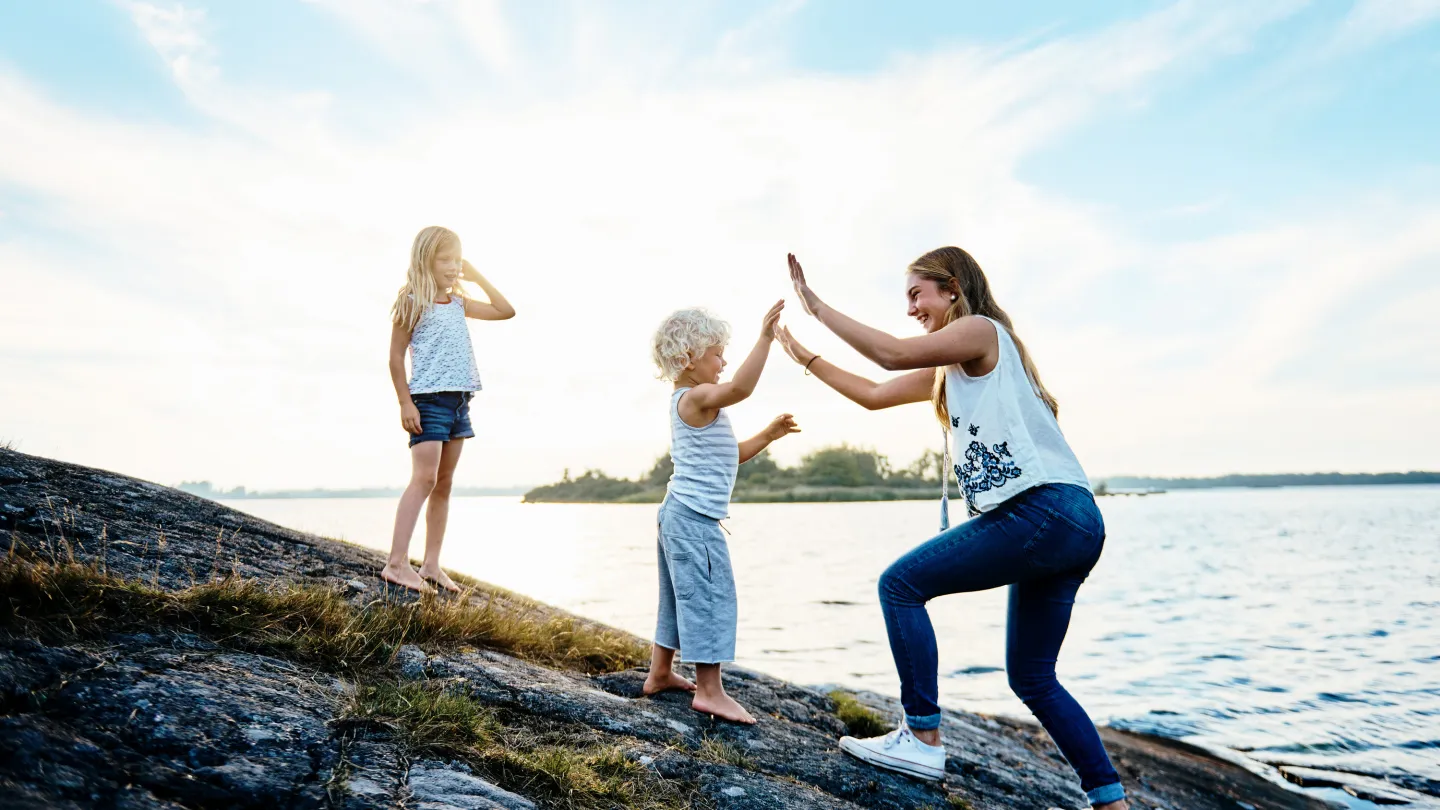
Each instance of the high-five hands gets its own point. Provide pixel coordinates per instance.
(792, 347)
(767, 326)
(808, 299)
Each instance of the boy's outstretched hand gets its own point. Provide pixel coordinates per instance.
(781, 426)
(767, 327)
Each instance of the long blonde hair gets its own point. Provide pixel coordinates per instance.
(958, 273)
(420, 290)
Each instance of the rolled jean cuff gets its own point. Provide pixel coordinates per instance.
(929, 722)
(1105, 794)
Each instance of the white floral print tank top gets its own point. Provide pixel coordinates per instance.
(1006, 440)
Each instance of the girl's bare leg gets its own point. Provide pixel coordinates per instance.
(424, 466)
(662, 673)
(437, 514)
(710, 696)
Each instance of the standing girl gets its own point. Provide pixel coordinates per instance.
(1034, 526)
(428, 318)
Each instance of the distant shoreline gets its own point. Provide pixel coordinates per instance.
(1268, 480)
(1119, 484)
(1116, 485)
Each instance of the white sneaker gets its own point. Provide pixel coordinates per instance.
(899, 751)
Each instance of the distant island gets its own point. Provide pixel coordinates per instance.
(845, 473)
(840, 473)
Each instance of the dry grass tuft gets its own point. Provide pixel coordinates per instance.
(723, 753)
(860, 720)
(436, 720)
(305, 623)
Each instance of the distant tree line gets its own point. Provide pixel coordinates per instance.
(1273, 480)
(839, 472)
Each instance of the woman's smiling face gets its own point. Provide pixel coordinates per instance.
(927, 301)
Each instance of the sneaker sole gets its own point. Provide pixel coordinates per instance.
(891, 763)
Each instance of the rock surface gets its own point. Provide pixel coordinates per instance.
(174, 720)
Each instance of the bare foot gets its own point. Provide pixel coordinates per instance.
(665, 681)
(405, 577)
(440, 578)
(723, 707)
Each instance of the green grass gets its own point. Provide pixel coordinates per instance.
(574, 774)
(305, 623)
(859, 719)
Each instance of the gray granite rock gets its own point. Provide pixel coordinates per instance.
(170, 720)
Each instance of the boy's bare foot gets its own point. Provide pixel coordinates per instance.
(665, 681)
(722, 706)
(405, 577)
(440, 578)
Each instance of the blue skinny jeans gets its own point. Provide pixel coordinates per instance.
(1042, 543)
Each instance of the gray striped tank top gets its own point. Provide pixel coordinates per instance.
(706, 461)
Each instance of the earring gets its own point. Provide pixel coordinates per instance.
(954, 298)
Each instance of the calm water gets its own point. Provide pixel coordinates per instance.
(1298, 625)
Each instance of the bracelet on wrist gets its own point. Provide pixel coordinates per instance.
(807, 365)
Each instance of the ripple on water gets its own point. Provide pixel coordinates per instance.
(976, 670)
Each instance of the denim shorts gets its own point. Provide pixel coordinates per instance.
(697, 614)
(444, 415)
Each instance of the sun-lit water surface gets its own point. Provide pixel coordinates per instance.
(1294, 624)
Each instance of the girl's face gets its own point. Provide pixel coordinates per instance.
(445, 266)
(707, 367)
(926, 301)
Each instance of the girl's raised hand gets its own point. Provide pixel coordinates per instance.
(808, 299)
(792, 347)
(410, 418)
(468, 271)
(782, 425)
(767, 327)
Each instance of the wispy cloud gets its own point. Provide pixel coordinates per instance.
(1373, 21)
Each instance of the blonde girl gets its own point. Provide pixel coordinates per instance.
(428, 319)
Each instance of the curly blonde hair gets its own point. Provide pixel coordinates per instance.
(684, 336)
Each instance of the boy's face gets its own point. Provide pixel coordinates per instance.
(707, 367)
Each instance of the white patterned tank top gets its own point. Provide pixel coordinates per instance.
(441, 355)
(1006, 439)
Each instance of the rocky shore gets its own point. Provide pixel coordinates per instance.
(159, 650)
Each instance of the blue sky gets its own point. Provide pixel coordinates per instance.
(1217, 225)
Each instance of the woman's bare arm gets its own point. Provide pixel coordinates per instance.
(902, 390)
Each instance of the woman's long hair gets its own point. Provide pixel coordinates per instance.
(420, 290)
(958, 273)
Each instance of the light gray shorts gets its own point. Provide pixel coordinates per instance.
(697, 587)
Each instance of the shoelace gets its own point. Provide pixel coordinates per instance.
(893, 738)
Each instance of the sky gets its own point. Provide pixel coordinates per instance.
(1216, 225)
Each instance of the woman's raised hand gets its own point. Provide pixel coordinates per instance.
(808, 299)
(767, 327)
(792, 347)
